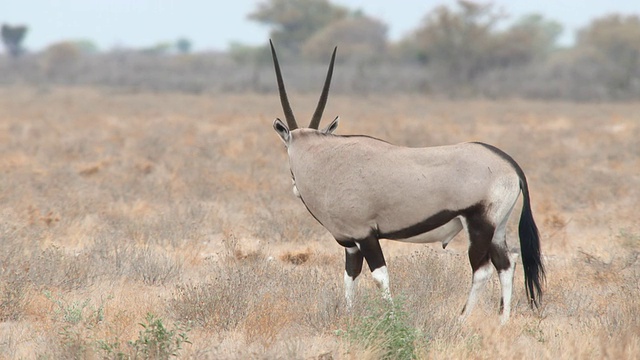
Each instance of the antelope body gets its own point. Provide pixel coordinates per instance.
(363, 189)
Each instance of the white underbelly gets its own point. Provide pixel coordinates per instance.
(442, 234)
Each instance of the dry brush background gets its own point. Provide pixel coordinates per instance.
(116, 204)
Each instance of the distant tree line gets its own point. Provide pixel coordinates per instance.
(467, 50)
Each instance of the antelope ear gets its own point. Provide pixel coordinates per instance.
(332, 127)
(282, 130)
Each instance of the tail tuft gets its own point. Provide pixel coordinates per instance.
(534, 273)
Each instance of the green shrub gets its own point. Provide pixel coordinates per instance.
(155, 341)
(384, 329)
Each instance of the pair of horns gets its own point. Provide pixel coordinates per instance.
(288, 113)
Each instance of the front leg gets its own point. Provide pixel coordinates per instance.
(352, 268)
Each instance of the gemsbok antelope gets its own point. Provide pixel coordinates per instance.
(362, 189)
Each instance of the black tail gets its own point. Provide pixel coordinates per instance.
(529, 236)
(534, 273)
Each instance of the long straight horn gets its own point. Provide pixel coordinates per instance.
(317, 116)
(288, 113)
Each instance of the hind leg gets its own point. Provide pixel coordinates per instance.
(506, 283)
(481, 273)
(503, 260)
(480, 235)
(505, 264)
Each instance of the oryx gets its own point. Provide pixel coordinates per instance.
(362, 189)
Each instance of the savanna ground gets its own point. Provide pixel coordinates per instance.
(118, 205)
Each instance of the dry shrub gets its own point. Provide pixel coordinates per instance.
(316, 296)
(53, 267)
(250, 255)
(90, 169)
(14, 281)
(283, 221)
(14, 293)
(267, 318)
(233, 252)
(155, 267)
(221, 304)
(296, 258)
(49, 218)
(255, 292)
(434, 286)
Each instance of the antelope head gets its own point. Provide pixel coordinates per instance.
(284, 130)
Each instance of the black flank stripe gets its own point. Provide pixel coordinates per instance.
(430, 223)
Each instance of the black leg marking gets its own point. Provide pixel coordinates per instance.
(480, 236)
(369, 249)
(353, 262)
(499, 257)
(346, 243)
(372, 251)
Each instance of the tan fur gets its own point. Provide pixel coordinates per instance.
(354, 185)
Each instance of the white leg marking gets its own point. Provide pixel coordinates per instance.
(353, 249)
(506, 284)
(506, 276)
(381, 278)
(349, 282)
(349, 289)
(480, 278)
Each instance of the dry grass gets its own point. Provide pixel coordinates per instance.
(116, 205)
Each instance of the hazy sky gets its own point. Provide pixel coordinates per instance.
(214, 24)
